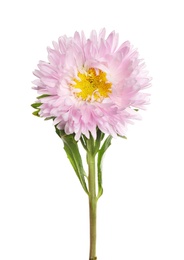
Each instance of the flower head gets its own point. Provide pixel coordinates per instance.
(91, 83)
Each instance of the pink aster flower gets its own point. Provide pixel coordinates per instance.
(91, 83)
(90, 87)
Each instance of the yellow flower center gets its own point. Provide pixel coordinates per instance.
(92, 85)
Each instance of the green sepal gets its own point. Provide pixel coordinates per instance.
(43, 96)
(48, 118)
(101, 153)
(36, 105)
(73, 154)
(122, 136)
(36, 113)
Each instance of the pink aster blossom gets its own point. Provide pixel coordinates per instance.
(91, 83)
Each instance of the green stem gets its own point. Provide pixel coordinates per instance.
(92, 204)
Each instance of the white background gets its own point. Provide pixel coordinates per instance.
(43, 209)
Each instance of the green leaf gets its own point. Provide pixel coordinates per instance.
(83, 142)
(101, 153)
(73, 154)
(100, 136)
(36, 105)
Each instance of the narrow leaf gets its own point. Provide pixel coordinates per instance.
(100, 136)
(73, 154)
(101, 153)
